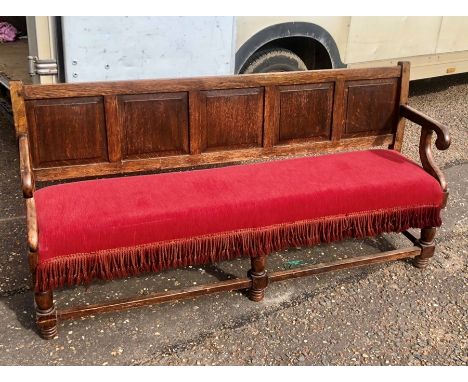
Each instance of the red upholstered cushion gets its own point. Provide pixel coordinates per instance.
(89, 216)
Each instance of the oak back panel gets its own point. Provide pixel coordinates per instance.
(89, 129)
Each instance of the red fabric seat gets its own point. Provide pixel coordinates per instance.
(83, 220)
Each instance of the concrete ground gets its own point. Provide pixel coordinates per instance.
(14, 60)
(390, 314)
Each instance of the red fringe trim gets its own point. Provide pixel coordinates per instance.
(154, 257)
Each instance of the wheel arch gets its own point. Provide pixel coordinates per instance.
(284, 31)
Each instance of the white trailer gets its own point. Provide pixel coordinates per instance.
(76, 49)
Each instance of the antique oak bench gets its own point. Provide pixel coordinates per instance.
(113, 227)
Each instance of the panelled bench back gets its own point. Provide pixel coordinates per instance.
(79, 130)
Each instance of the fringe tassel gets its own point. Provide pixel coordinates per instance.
(82, 268)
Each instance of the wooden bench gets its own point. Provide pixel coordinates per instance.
(110, 228)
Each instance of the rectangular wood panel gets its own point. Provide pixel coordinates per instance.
(232, 119)
(67, 131)
(305, 112)
(371, 107)
(154, 125)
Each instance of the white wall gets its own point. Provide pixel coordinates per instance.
(122, 48)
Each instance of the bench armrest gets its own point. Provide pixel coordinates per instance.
(26, 173)
(428, 126)
(427, 123)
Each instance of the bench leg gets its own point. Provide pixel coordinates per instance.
(259, 278)
(426, 242)
(46, 317)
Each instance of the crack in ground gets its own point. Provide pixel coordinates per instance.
(454, 163)
(13, 218)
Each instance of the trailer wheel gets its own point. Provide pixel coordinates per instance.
(273, 60)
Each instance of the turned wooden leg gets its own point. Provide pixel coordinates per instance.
(259, 278)
(426, 242)
(46, 317)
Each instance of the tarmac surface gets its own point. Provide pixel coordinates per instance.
(14, 62)
(389, 314)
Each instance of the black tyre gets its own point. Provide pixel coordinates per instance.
(273, 60)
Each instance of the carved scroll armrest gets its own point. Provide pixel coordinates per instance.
(26, 173)
(429, 125)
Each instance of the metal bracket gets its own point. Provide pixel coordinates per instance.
(42, 67)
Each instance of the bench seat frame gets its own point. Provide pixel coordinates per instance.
(257, 279)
